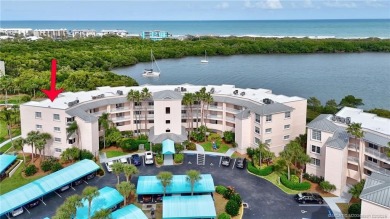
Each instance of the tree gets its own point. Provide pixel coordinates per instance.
(355, 129)
(73, 128)
(302, 160)
(207, 99)
(146, 95)
(193, 176)
(351, 101)
(6, 116)
(102, 214)
(288, 156)
(165, 178)
(104, 124)
(314, 104)
(117, 168)
(32, 137)
(69, 208)
(41, 142)
(134, 96)
(331, 107)
(357, 189)
(18, 145)
(197, 98)
(188, 100)
(125, 189)
(129, 170)
(89, 193)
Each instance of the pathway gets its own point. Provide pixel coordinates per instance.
(9, 140)
(331, 201)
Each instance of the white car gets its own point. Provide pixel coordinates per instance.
(17, 212)
(108, 165)
(149, 157)
(123, 160)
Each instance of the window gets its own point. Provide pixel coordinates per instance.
(183, 111)
(57, 140)
(167, 110)
(269, 130)
(120, 124)
(183, 120)
(119, 105)
(257, 141)
(214, 121)
(257, 118)
(167, 121)
(373, 146)
(268, 141)
(286, 137)
(56, 117)
(286, 126)
(268, 118)
(316, 135)
(151, 121)
(372, 159)
(315, 161)
(58, 150)
(137, 112)
(38, 115)
(69, 119)
(137, 122)
(150, 112)
(137, 104)
(168, 130)
(71, 141)
(287, 115)
(257, 130)
(38, 126)
(57, 129)
(119, 114)
(137, 131)
(151, 103)
(315, 149)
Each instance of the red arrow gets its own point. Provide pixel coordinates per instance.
(53, 92)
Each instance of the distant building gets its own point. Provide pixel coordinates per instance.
(52, 33)
(155, 35)
(121, 33)
(2, 68)
(83, 33)
(376, 196)
(16, 31)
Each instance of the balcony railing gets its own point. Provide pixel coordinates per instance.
(354, 159)
(232, 110)
(352, 147)
(377, 154)
(117, 109)
(142, 117)
(230, 119)
(215, 107)
(121, 118)
(214, 116)
(376, 168)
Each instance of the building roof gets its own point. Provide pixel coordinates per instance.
(108, 198)
(323, 123)
(339, 140)
(376, 139)
(168, 147)
(243, 114)
(167, 95)
(148, 185)
(45, 185)
(5, 161)
(198, 206)
(129, 212)
(377, 190)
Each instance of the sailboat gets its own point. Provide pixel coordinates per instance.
(205, 58)
(150, 72)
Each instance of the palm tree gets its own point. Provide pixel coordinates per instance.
(89, 193)
(72, 203)
(32, 137)
(357, 189)
(117, 168)
(302, 160)
(188, 100)
(125, 189)
(73, 128)
(104, 123)
(41, 143)
(16, 114)
(355, 129)
(166, 179)
(146, 95)
(102, 214)
(197, 98)
(287, 155)
(129, 170)
(134, 96)
(193, 176)
(261, 147)
(207, 99)
(18, 145)
(6, 116)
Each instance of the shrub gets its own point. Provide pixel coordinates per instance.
(355, 209)
(236, 197)
(127, 145)
(224, 215)
(214, 137)
(327, 187)
(127, 134)
(46, 165)
(70, 154)
(294, 186)
(85, 154)
(159, 159)
(250, 152)
(313, 178)
(178, 158)
(220, 189)
(229, 192)
(294, 179)
(157, 148)
(56, 166)
(179, 148)
(229, 136)
(232, 208)
(143, 137)
(261, 172)
(198, 136)
(191, 146)
(100, 172)
(25, 98)
(30, 170)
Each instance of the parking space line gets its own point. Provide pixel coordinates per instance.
(27, 210)
(143, 160)
(312, 205)
(58, 194)
(43, 201)
(73, 188)
(220, 161)
(234, 163)
(85, 182)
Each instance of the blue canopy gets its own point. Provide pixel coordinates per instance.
(197, 206)
(108, 198)
(5, 161)
(168, 146)
(129, 212)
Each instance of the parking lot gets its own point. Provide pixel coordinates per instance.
(264, 199)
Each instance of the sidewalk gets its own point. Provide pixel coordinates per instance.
(9, 140)
(344, 198)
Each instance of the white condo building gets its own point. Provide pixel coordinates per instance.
(337, 156)
(52, 33)
(83, 33)
(14, 31)
(253, 114)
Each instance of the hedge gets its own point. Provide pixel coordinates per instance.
(224, 215)
(178, 158)
(261, 172)
(220, 189)
(129, 144)
(159, 159)
(232, 208)
(294, 186)
(354, 210)
(30, 170)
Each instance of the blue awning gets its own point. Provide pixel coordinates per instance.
(5, 161)
(186, 207)
(168, 146)
(129, 212)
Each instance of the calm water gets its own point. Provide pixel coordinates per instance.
(336, 28)
(325, 76)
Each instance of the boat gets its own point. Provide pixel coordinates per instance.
(205, 58)
(150, 72)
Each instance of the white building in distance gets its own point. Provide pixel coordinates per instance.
(2, 68)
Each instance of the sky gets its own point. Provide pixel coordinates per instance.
(193, 10)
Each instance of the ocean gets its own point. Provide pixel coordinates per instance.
(299, 28)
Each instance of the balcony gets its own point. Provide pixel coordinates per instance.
(120, 109)
(98, 113)
(376, 154)
(121, 118)
(376, 167)
(353, 159)
(210, 116)
(142, 117)
(352, 147)
(232, 110)
(230, 119)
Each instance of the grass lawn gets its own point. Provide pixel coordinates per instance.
(274, 179)
(5, 147)
(4, 131)
(110, 154)
(222, 148)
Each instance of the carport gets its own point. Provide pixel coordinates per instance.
(168, 149)
(186, 207)
(130, 211)
(5, 161)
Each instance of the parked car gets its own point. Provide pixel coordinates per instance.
(109, 165)
(135, 159)
(225, 161)
(158, 198)
(149, 157)
(33, 203)
(90, 176)
(123, 160)
(146, 198)
(77, 182)
(17, 212)
(241, 163)
(63, 189)
(306, 198)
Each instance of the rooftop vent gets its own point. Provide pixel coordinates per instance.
(70, 104)
(334, 118)
(242, 93)
(98, 96)
(119, 92)
(348, 120)
(235, 92)
(212, 90)
(183, 89)
(267, 101)
(177, 89)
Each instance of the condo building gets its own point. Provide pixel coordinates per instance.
(77, 33)
(255, 115)
(339, 157)
(16, 31)
(52, 33)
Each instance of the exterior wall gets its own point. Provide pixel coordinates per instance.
(277, 132)
(335, 168)
(160, 117)
(243, 134)
(310, 168)
(89, 136)
(298, 118)
(370, 210)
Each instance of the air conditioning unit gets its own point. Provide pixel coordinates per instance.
(267, 101)
(348, 120)
(119, 92)
(334, 118)
(212, 90)
(242, 93)
(235, 92)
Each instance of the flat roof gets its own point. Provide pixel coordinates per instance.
(40, 187)
(108, 198)
(197, 206)
(129, 212)
(149, 185)
(5, 161)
